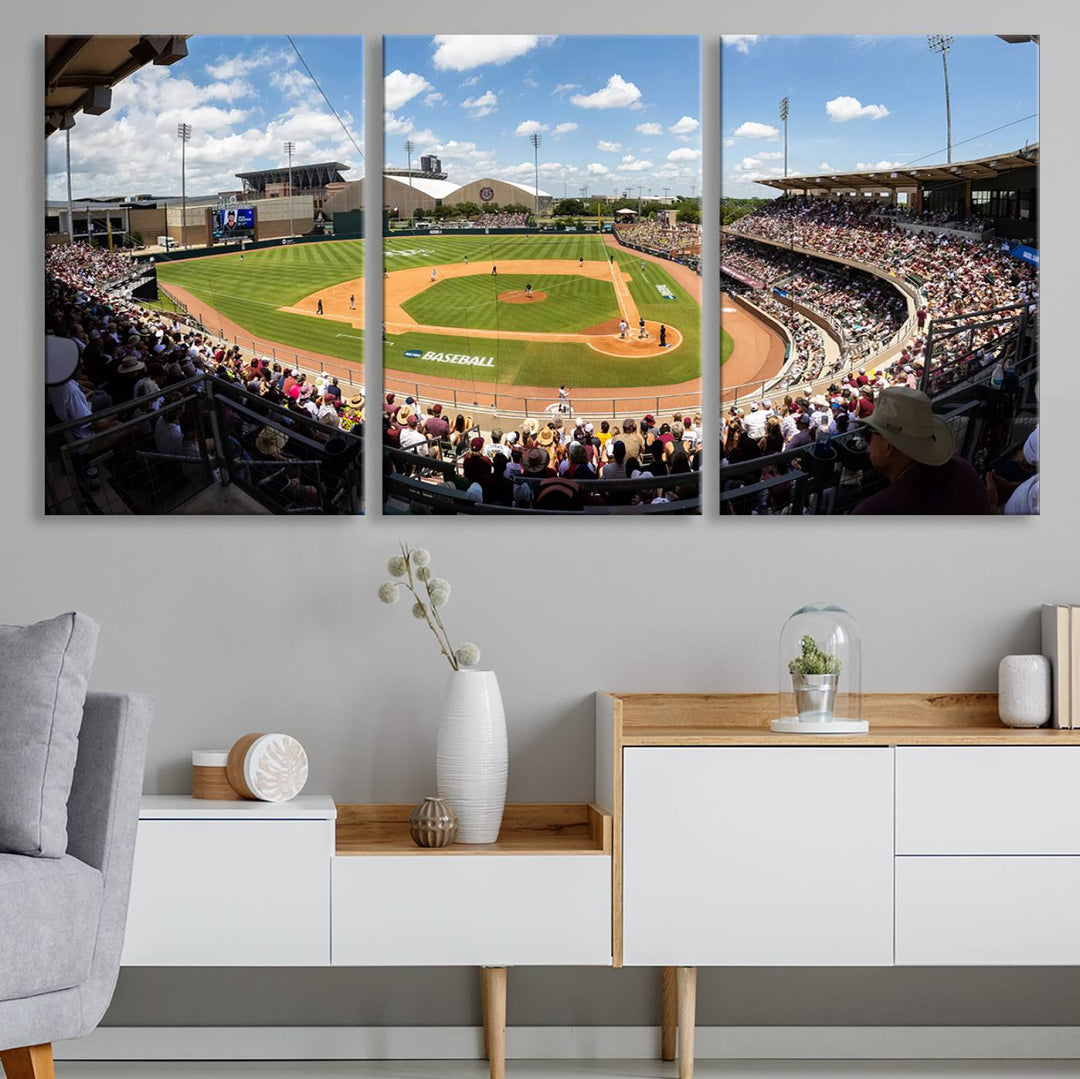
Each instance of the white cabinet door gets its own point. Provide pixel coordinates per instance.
(981, 911)
(758, 856)
(246, 893)
(988, 800)
(472, 910)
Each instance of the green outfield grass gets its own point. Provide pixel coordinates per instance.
(727, 345)
(250, 291)
(528, 363)
(572, 303)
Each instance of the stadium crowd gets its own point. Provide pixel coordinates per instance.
(500, 221)
(130, 355)
(541, 465)
(658, 239)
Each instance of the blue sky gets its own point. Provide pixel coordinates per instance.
(868, 101)
(614, 113)
(243, 96)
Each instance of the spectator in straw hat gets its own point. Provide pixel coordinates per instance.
(914, 450)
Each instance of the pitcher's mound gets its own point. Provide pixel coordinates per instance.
(518, 296)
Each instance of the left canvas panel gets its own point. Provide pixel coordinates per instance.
(203, 212)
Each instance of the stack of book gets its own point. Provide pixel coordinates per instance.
(1061, 645)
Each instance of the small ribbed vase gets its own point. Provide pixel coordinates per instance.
(470, 754)
(432, 823)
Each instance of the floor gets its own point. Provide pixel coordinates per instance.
(574, 1069)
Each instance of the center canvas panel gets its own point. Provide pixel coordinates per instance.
(541, 278)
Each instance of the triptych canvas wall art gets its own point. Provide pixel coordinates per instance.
(539, 224)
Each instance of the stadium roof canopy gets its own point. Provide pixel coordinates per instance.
(982, 168)
(80, 72)
(281, 175)
(435, 189)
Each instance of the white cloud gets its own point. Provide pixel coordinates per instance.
(462, 52)
(684, 153)
(749, 163)
(617, 94)
(396, 125)
(472, 80)
(630, 164)
(433, 98)
(530, 127)
(424, 138)
(751, 129)
(594, 168)
(566, 87)
(729, 142)
(609, 147)
(842, 109)
(233, 67)
(741, 42)
(825, 167)
(565, 128)
(401, 86)
(879, 166)
(483, 105)
(649, 129)
(684, 126)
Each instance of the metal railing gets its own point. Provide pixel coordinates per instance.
(206, 436)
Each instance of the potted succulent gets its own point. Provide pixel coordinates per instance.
(815, 675)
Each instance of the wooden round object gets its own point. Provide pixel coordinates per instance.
(234, 769)
(208, 778)
(275, 768)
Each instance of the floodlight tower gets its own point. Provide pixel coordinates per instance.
(183, 133)
(942, 43)
(785, 105)
(535, 139)
(409, 147)
(289, 147)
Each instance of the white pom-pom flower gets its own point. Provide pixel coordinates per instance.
(420, 557)
(418, 610)
(468, 655)
(396, 566)
(439, 591)
(424, 573)
(389, 592)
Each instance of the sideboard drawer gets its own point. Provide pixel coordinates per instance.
(981, 911)
(988, 800)
(465, 909)
(245, 893)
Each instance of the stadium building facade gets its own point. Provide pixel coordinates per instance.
(406, 193)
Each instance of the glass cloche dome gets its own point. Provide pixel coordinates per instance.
(820, 670)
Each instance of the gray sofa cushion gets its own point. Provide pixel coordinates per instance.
(44, 669)
(49, 911)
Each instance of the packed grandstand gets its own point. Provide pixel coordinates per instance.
(930, 306)
(138, 414)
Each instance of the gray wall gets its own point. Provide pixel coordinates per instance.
(245, 624)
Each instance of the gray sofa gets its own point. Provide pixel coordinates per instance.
(62, 919)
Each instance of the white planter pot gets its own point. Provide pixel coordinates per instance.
(1024, 691)
(470, 754)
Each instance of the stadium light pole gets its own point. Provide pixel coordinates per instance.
(785, 108)
(67, 144)
(942, 43)
(289, 146)
(409, 147)
(535, 140)
(183, 133)
(785, 105)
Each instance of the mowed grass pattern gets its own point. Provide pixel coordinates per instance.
(529, 363)
(572, 303)
(249, 292)
(727, 344)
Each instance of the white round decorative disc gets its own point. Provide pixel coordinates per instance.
(276, 768)
(794, 725)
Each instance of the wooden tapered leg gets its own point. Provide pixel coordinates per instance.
(669, 996)
(493, 994)
(31, 1062)
(687, 981)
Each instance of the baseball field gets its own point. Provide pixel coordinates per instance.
(548, 315)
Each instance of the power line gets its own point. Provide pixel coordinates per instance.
(348, 133)
(1011, 123)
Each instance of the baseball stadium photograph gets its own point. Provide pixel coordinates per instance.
(541, 275)
(198, 197)
(879, 275)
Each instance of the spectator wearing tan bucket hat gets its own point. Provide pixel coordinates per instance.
(915, 451)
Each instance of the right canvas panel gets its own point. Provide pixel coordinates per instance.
(879, 275)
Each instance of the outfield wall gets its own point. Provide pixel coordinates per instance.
(253, 245)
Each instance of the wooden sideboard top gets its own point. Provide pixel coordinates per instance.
(574, 828)
(715, 719)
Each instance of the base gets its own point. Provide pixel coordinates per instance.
(794, 725)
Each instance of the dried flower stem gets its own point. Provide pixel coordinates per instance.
(431, 614)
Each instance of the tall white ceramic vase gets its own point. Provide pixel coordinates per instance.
(470, 754)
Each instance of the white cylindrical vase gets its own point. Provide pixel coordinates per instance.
(470, 754)
(1024, 691)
